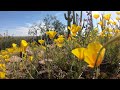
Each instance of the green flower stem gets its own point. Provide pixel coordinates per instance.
(28, 72)
(34, 67)
(26, 67)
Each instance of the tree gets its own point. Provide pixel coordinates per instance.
(49, 22)
(33, 31)
(58, 26)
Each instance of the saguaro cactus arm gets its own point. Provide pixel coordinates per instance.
(67, 17)
(69, 20)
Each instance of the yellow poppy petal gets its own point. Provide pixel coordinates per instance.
(79, 53)
(59, 45)
(96, 16)
(91, 53)
(2, 75)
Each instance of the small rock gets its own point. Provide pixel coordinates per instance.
(15, 59)
(29, 51)
(42, 62)
(49, 60)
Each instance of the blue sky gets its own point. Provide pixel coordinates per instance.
(17, 22)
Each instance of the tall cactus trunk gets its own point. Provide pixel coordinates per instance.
(80, 18)
(74, 17)
(69, 24)
(77, 19)
(91, 23)
(104, 22)
(69, 20)
(80, 22)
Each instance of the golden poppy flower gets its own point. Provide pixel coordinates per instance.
(2, 75)
(74, 29)
(3, 52)
(79, 53)
(59, 41)
(24, 45)
(3, 67)
(41, 41)
(7, 60)
(96, 16)
(6, 56)
(14, 45)
(10, 50)
(59, 45)
(107, 16)
(118, 12)
(117, 18)
(91, 52)
(51, 34)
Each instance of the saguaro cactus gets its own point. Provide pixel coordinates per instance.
(80, 18)
(69, 20)
(91, 21)
(103, 22)
(74, 17)
(77, 19)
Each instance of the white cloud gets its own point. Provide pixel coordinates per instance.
(28, 24)
(21, 31)
(58, 14)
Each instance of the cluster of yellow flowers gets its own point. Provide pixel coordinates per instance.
(107, 18)
(74, 29)
(109, 31)
(88, 54)
(2, 70)
(59, 41)
(118, 17)
(6, 54)
(41, 41)
(51, 34)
